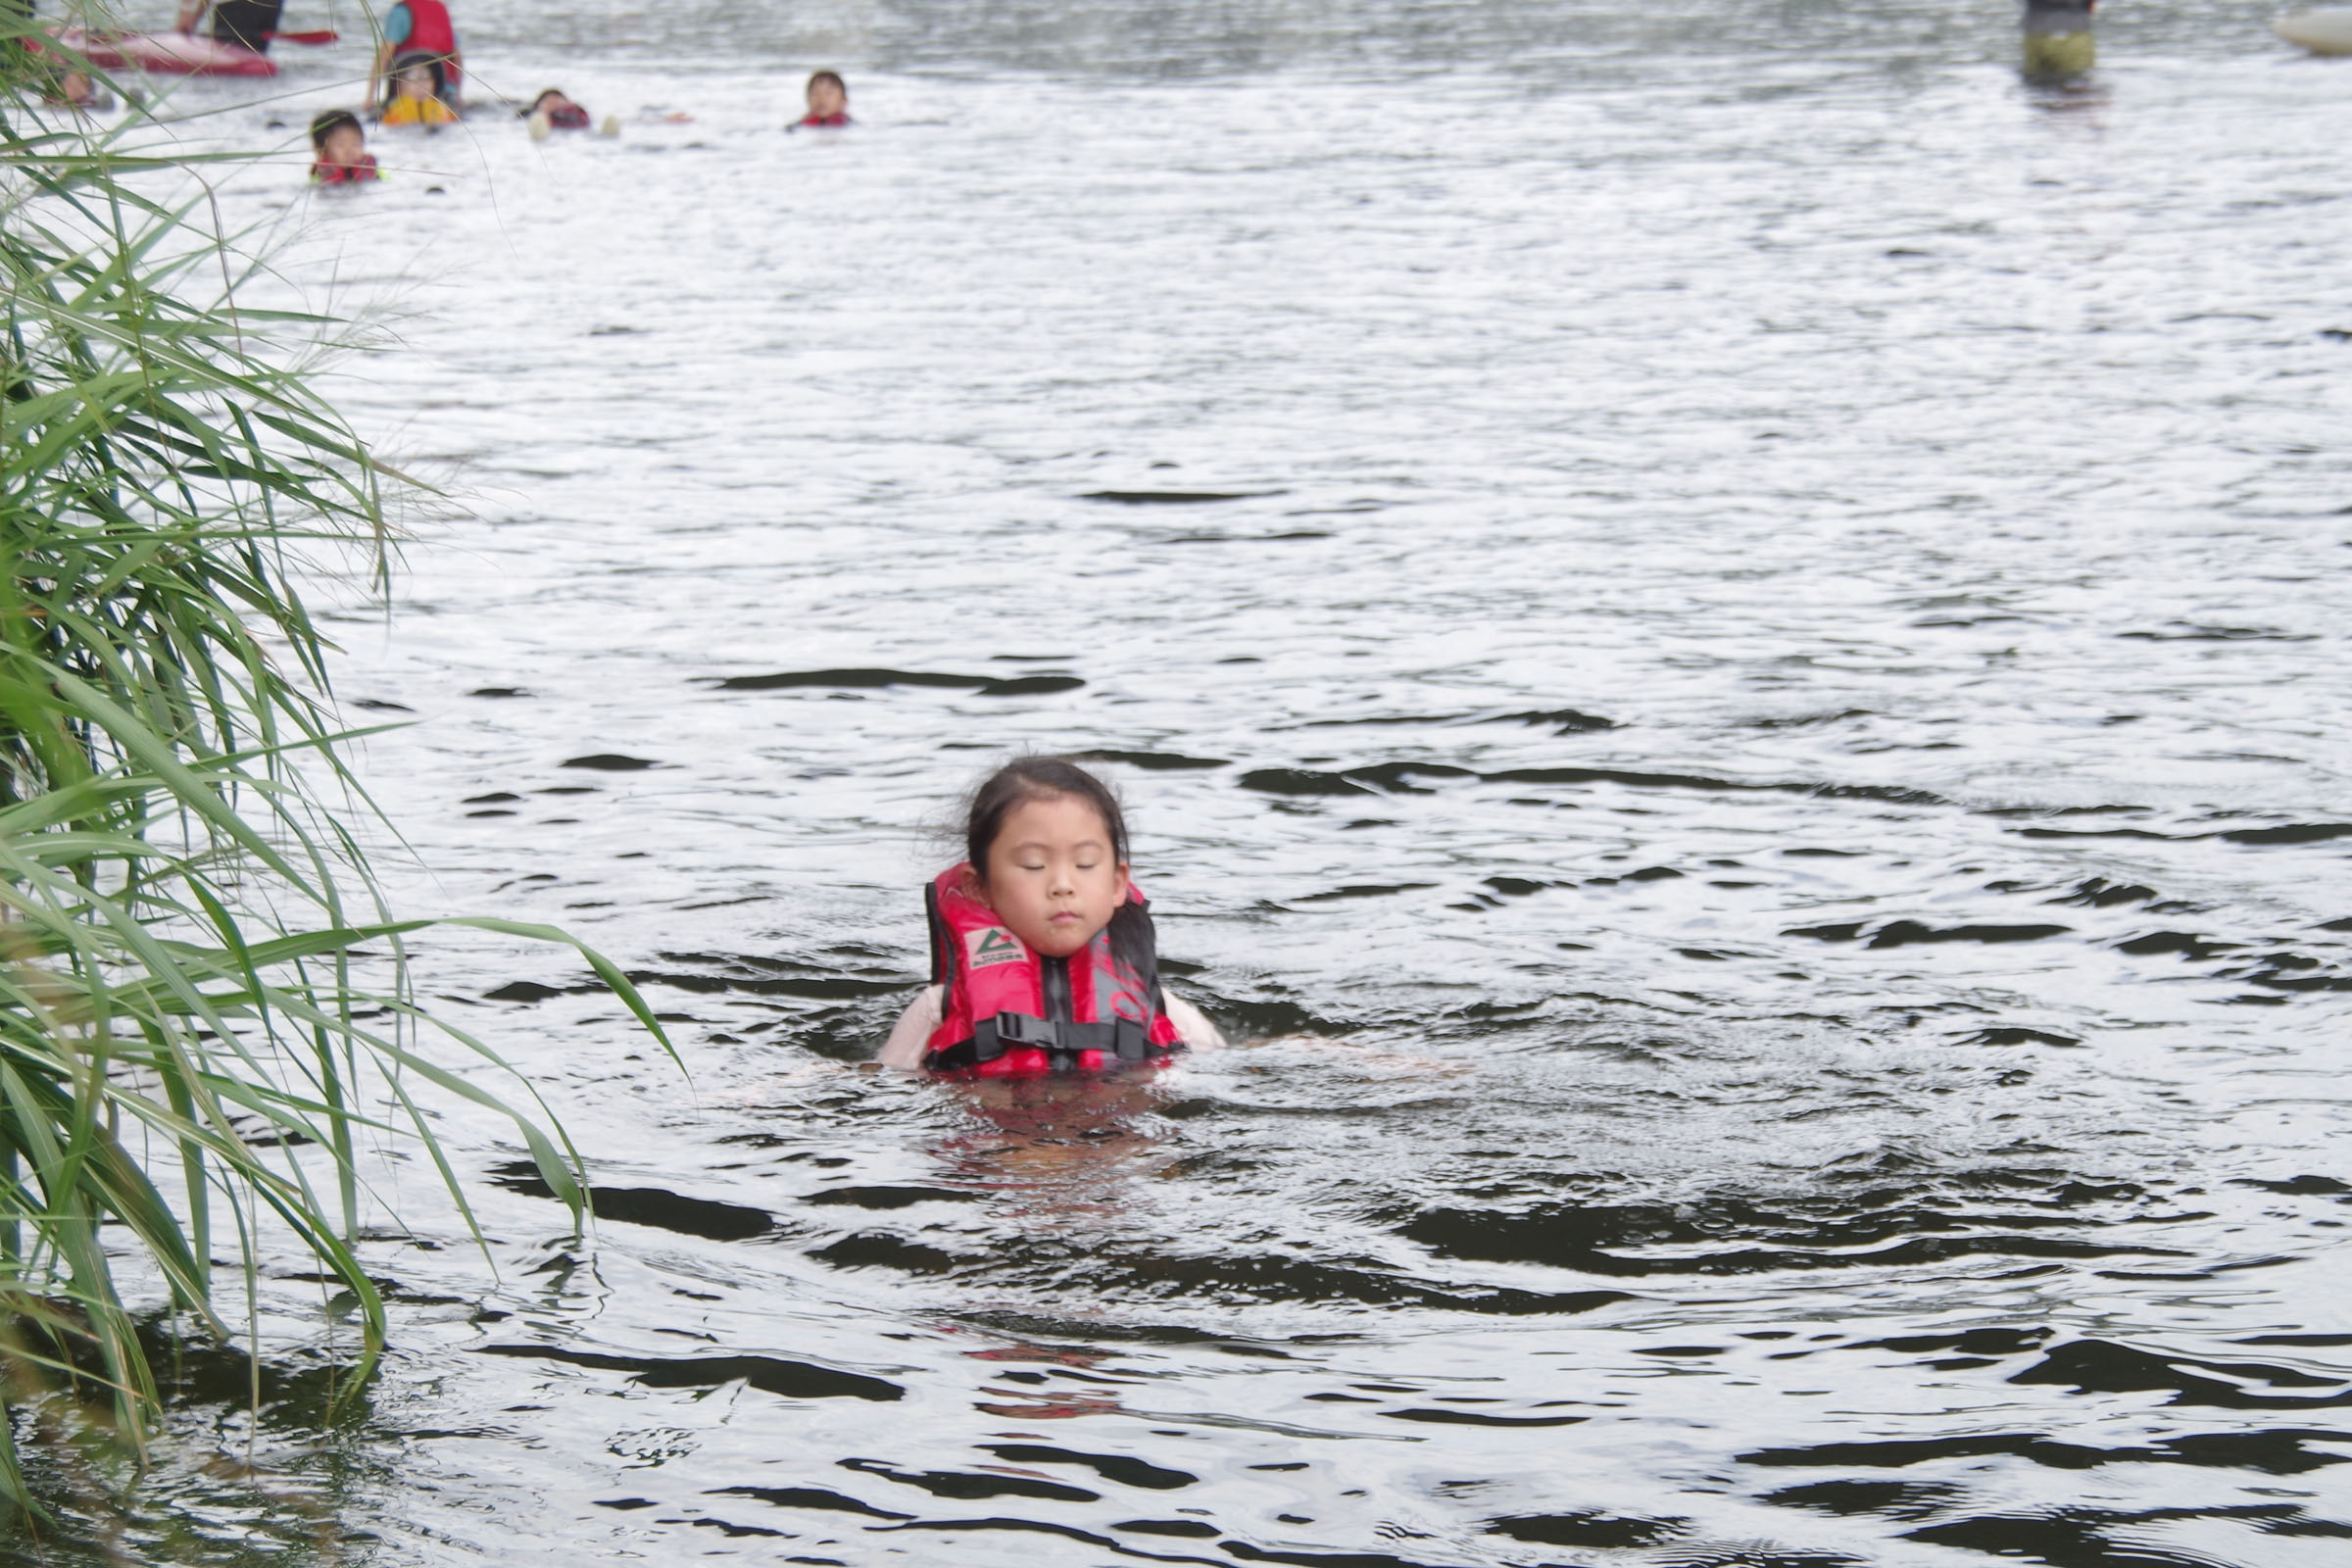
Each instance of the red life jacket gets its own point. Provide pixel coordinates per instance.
(431, 32)
(1009, 1012)
(326, 173)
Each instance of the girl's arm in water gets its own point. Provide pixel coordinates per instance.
(913, 1031)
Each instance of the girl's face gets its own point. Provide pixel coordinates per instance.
(417, 82)
(342, 145)
(1051, 876)
(826, 99)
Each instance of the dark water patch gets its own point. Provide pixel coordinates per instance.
(2013, 1036)
(1430, 1416)
(971, 1486)
(1176, 498)
(818, 1499)
(1396, 777)
(724, 1527)
(1884, 1499)
(2187, 632)
(1191, 1528)
(2100, 893)
(2289, 833)
(1642, 779)
(2320, 1342)
(492, 799)
(1153, 762)
(2104, 1537)
(706, 1217)
(2305, 1186)
(381, 705)
(1246, 1552)
(2103, 1366)
(1591, 1529)
(1809, 721)
(1912, 932)
(888, 1197)
(1282, 537)
(1125, 1469)
(2188, 946)
(1364, 890)
(1971, 1342)
(881, 1249)
(1561, 720)
(1608, 1239)
(790, 1380)
(1274, 1277)
(877, 679)
(1300, 781)
(612, 762)
(499, 692)
(750, 974)
(528, 991)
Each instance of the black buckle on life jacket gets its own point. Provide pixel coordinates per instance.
(1125, 1038)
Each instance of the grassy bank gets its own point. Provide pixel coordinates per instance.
(189, 1059)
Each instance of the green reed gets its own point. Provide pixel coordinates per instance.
(189, 1055)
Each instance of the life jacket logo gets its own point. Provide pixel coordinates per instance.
(991, 944)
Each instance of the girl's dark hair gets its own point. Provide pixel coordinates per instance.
(1043, 778)
(331, 120)
(1035, 779)
(545, 93)
(833, 77)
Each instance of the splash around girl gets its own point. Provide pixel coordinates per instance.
(1042, 956)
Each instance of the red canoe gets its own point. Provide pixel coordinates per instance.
(168, 54)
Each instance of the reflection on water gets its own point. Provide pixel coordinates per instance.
(1723, 630)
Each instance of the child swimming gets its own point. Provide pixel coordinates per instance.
(828, 101)
(417, 94)
(342, 150)
(1042, 956)
(560, 111)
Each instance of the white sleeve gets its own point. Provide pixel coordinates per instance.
(913, 1031)
(1193, 1024)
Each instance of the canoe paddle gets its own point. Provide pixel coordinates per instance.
(322, 36)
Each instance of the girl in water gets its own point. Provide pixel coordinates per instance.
(1043, 958)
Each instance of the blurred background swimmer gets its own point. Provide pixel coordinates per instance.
(556, 111)
(341, 149)
(417, 94)
(828, 101)
(418, 28)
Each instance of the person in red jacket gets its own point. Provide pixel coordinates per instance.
(418, 27)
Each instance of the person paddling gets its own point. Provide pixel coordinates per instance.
(420, 28)
(1042, 956)
(246, 23)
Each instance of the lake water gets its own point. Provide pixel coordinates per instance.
(1725, 632)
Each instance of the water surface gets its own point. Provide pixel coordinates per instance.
(1725, 632)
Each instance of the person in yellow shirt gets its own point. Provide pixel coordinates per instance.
(417, 95)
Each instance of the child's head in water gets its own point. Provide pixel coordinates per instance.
(828, 99)
(1047, 846)
(418, 79)
(336, 137)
